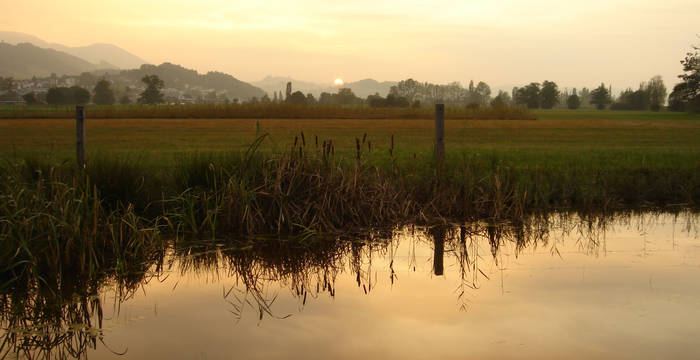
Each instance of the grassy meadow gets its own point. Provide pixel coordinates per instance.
(553, 134)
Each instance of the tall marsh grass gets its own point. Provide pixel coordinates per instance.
(57, 219)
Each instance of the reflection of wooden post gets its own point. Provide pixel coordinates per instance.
(439, 253)
(80, 134)
(439, 132)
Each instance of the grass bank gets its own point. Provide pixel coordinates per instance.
(313, 186)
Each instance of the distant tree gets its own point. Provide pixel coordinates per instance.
(103, 94)
(528, 96)
(501, 100)
(296, 98)
(686, 95)
(80, 96)
(31, 99)
(376, 101)
(657, 93)
(396, 101)
(58, 96)
(310, 99)
(274, 97)
(415, 104)
(125, 100)
(266, 99)
(585, 96)
(326, 99)
(483, 92)
(67, 96)
(346, 97)
(600, 97)
(152, 94)
(549, 94)
(632, 100)
(573, 102)
(254, 101)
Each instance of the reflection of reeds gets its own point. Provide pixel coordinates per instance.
(54, 313)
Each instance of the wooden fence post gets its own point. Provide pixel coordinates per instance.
(439, 132)
(80, 134)
(439, 233)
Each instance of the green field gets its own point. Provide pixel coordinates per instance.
(554, 132)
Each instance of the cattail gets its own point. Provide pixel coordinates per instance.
(303, 139)
(357, 145)
(391, 149)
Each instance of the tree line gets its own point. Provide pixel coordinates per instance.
(650, 95)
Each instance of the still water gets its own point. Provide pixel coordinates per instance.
(626, 287)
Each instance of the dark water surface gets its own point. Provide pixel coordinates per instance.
(564, 287)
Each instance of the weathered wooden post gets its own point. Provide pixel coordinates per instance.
(80, 134)
(439, 133)
(438, 233)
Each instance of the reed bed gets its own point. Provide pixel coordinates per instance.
(259, 111)
(315, 187)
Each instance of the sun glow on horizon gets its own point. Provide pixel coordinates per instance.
(338, 82)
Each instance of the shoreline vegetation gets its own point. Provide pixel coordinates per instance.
(116, 205)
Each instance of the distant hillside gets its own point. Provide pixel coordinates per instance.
(362, 88)
(103, 55)
(24, 61)
(367, 87)
(178, 77)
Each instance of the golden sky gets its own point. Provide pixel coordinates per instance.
(505, 43)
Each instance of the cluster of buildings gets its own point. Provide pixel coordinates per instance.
(125, 90)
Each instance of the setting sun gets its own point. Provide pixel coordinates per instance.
(338, 82)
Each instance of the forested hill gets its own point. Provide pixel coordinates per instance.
(23, 61)
(178, 77)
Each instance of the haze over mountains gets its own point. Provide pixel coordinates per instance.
(103, 55)
(24, 56)
(25, 60)
(362, 88)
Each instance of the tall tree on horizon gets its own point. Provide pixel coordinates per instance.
(549, 94)
(103, 94)
(600, 97)
(152, 94)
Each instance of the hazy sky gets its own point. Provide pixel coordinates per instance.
(503, 42)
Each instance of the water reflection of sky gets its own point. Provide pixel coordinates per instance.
(634, 295)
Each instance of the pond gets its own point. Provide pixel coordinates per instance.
(561, 286)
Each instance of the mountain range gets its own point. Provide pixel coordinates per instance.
(102, 55)
(25, 60)
(23, 56)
